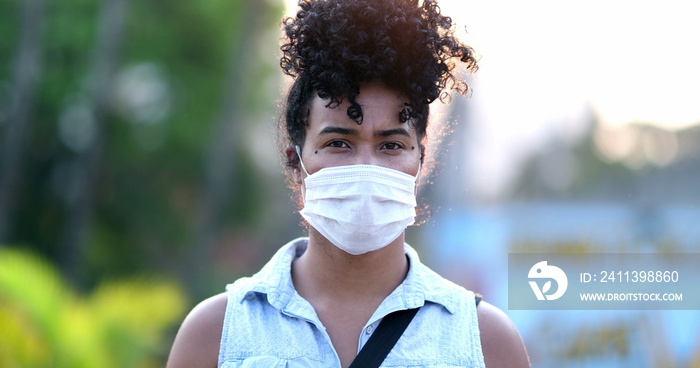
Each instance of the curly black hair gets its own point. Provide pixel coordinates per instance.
(332, 46)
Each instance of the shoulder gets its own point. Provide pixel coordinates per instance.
(500, 341)
(197, 341)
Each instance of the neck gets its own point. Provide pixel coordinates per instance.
(326, 273)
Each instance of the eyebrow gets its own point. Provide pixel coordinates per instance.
(390, 132)
(348, 131)
(338, 130)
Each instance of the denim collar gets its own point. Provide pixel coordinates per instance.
(420, 286)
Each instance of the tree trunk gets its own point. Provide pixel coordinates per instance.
(220, 163)
(26, 71)
(87, 162)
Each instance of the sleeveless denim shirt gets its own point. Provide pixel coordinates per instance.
(267, 324)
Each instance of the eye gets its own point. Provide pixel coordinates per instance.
(337, 144)
(392, 146)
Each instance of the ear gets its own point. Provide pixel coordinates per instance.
(293, 164)
(422, 154)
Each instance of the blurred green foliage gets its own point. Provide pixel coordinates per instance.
(47, 324)
(151, 176)
(166, 98)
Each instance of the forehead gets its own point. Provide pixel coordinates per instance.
(381, 107)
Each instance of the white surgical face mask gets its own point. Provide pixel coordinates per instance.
(359, 208)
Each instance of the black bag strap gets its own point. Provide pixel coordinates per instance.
(384, 338)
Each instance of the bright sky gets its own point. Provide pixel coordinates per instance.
(633, 60)
(544, 61)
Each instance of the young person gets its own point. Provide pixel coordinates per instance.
(365, 72)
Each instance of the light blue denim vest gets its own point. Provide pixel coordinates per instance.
(267, 324)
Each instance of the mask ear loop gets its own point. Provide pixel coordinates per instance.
(301, 162)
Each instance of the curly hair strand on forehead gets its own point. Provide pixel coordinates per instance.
(333, 46)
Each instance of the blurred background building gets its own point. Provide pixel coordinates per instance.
(138, 140)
